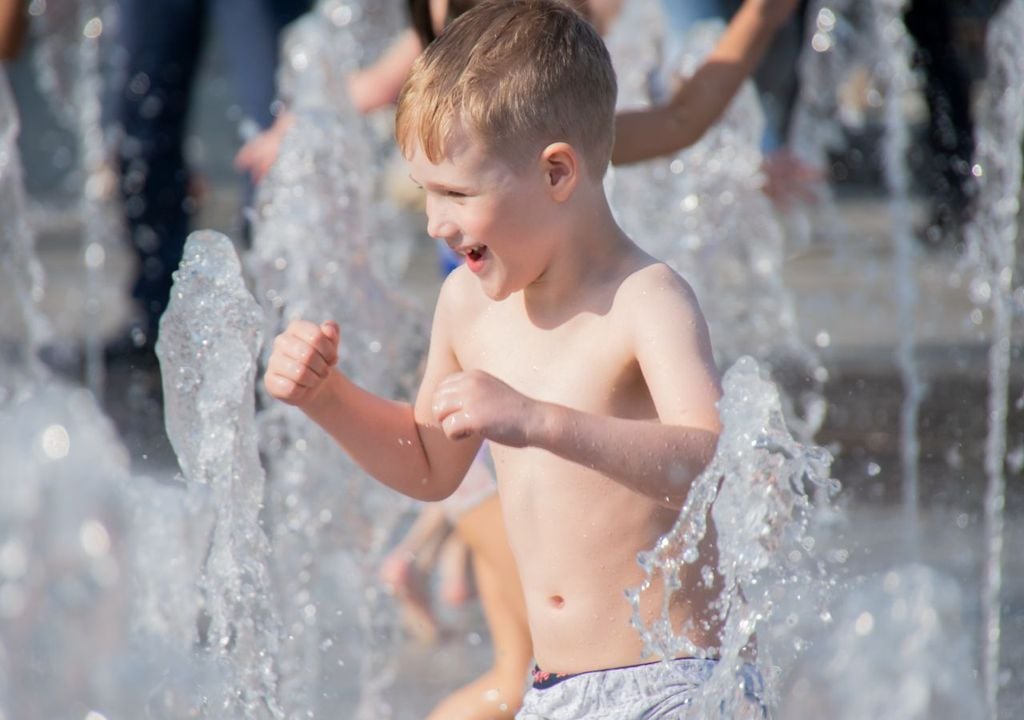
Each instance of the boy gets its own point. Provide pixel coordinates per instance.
(584, 361)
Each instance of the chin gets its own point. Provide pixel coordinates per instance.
(497, 294)
(497, 291)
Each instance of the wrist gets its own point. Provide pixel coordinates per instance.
(321, 400)
(543, 425)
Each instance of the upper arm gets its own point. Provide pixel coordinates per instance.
(449, 459)
(673, 348)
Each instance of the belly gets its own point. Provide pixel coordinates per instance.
(576, 535)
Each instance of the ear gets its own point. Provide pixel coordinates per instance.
(561, 166)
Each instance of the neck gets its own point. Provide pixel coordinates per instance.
(592, 247)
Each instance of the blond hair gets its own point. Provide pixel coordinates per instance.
(518, 75)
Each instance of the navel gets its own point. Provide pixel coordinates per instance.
(557, 602)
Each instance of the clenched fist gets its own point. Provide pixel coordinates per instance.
(302, 358)
(476, 403)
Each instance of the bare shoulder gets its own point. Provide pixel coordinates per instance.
(460, 302)
(661, 314)
(460, 292)
(655, 286)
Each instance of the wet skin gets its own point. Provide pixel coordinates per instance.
(585, 362)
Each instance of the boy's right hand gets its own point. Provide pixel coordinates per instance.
(302, 359)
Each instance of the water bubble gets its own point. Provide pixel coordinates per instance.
(864, 624)
(707, 576)
(823, 339)
(56, 442)
(341, 15)
(980, 292)
(1015, 459)
(873, 469)
(977, 171)
(826, 19)
(821, 42)
(93, 29)
(94, 538)
(95, 255)
(474, 639)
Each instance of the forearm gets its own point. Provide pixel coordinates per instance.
(379, 84)
(702, 98)
(381, 435)
(13, 24)
(657, 460)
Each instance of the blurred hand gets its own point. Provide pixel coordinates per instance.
(302, 358)
(476, 403)
(788, 180)
(775, 11)
(258, 155)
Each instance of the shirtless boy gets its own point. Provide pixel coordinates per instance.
(584, 361)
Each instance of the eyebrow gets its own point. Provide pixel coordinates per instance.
(442, 186)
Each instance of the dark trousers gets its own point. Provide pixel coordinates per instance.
(947, 93)
(160, 46)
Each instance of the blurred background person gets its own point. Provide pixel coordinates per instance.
(158, 50)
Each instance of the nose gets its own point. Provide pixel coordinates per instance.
(439, 225)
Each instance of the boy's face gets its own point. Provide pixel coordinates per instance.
(492, 214)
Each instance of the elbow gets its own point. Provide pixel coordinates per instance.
(430, 489)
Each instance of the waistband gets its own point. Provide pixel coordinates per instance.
(543, 679)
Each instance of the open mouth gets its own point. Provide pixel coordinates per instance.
(476, 253)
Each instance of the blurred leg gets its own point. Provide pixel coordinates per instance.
(161, 43)
(947, 91)
(497, 693)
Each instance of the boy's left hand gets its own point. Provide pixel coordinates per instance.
(476, 403)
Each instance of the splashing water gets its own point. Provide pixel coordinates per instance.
(63, 552)
(758, 490)
(895, 46)
(897, 649)
(25, 327)
(208, 347)
(309, 260)
(704, 212)
(992, 236)
(68, 61)
(320, 51)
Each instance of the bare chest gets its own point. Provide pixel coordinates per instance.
(585, 363)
